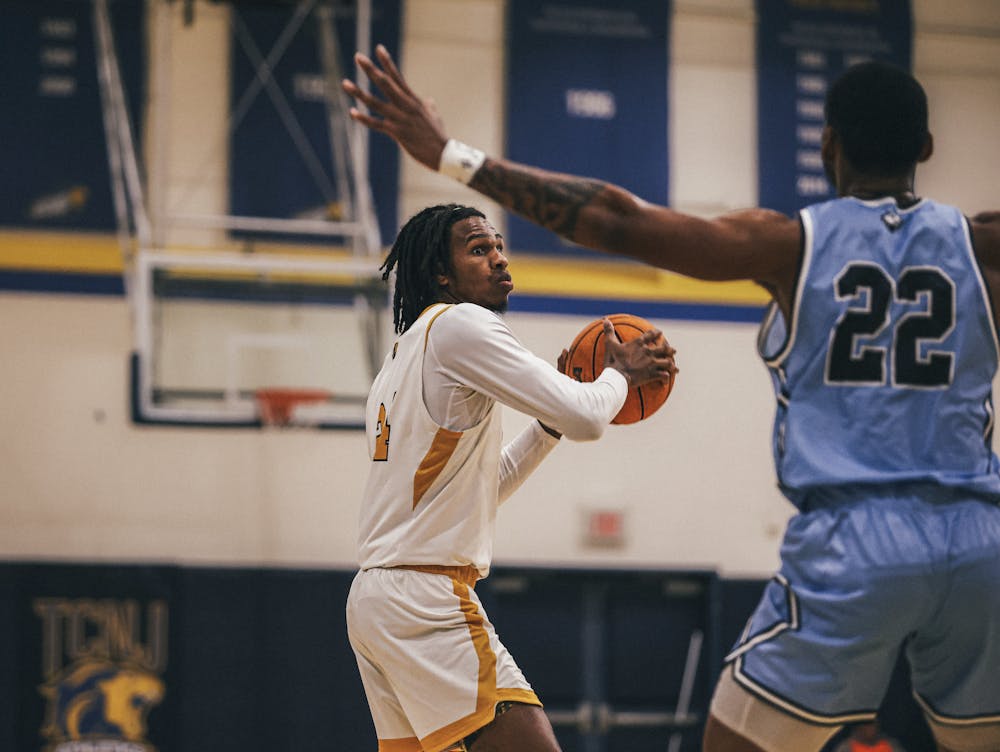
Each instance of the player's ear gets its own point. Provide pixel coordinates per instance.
(443, 279)
(828, 145)
(927, 150)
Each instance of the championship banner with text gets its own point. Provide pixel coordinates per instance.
(587, 88)
(55, 172)
(281, 163)
(802, 47)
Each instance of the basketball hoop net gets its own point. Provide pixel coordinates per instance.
(276, 405)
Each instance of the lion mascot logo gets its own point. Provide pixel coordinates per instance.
(98, 699)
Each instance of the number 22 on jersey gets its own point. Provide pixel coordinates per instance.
(853, 358)
(381, 453)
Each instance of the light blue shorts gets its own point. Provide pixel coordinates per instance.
(861, 580)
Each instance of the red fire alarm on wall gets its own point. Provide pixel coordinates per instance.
(604, 527)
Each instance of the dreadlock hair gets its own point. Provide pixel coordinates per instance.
(879, 113)
(421, 252)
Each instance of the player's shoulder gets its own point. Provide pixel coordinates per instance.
(468, 313)
(985, 228)
(466, 332)
(764, 215)
(758, 215)
(761, 224)
(466, 322)
(987, 223)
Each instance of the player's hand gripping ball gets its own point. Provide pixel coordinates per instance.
(585, 361)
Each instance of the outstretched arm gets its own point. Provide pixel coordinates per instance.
(755, 244)
(985, 228)
(474, 348)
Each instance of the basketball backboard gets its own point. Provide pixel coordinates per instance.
(215, 329)
(220, 310)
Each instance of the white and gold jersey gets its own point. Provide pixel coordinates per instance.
(435, 481)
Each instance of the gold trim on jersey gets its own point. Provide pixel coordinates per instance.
(523, 696)
(442, 447)
(430, 323)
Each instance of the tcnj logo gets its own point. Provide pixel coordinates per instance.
(590, 103)
(102, 667)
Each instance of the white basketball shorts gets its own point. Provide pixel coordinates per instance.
(432, 666)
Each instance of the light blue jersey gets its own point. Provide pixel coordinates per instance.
(886, 373)
(883, 440)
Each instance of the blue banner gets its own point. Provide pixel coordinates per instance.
(280, 159)
(587, 88)
(802, 47)
(94, 666)
(55, 172)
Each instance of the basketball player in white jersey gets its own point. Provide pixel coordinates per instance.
(882, 343)
(435, 673)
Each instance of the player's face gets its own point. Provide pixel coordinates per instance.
(479, 268)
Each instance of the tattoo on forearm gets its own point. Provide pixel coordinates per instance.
(552, 202)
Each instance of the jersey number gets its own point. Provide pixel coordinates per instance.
(381, 437)
(851, 361)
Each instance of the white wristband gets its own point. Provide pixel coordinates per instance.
(460, 161)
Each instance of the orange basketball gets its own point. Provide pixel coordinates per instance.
(585, 362)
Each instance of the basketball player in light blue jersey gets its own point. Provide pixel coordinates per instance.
(882, 343)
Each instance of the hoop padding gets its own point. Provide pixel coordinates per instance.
(276, 405)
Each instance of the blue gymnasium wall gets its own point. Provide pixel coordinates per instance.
(801, 49)
(258, 659)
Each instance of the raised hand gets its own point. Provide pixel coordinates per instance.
(561, 361)
(648, 357)
(410, 121)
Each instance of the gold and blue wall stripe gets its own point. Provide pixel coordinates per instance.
(593, 285)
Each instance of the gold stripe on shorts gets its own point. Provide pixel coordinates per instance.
(467, 575)
(486, 680)
(411, 744)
